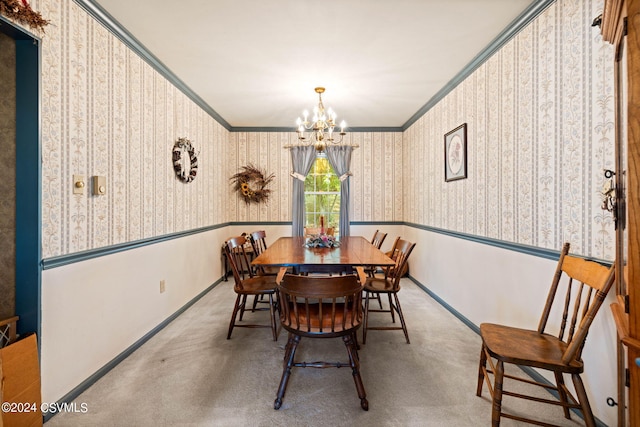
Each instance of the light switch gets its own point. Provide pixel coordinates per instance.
(99, 186)
(78, 184)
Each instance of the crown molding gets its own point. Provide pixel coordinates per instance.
(507, 34)
(102, 16)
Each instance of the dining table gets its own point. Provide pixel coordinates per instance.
(353, 251)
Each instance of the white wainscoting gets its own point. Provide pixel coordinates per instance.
(94, 310)
(485, 283)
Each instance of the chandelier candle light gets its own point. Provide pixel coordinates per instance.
(322, 126)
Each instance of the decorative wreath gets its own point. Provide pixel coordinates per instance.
(251, 184)
(21, 12)
(181, 145)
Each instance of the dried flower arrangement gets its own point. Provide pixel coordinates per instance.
(251, 184)
(21, 12)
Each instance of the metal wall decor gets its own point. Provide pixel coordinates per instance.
(185, 160)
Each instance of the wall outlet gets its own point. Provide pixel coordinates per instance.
(162, 286)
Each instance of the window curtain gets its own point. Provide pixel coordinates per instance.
(340, 160)
(302, 159)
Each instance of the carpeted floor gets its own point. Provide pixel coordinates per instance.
(189, 374)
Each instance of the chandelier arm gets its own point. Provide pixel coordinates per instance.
(320, 131)
(308, 125)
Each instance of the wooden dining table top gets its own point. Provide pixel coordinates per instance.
(291, 252)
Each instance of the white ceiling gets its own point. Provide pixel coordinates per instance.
(256, 62)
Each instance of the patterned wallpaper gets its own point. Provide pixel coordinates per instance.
(376, 182)
(540, 130)
(7, 175)
(264, 150)
(540, 118)
(377, 185)
(107, 112)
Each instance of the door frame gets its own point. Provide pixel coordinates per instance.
(28, 263)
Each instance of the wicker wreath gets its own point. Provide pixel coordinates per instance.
(251, 183)
(182, 145)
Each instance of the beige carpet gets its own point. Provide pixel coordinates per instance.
(189, 374)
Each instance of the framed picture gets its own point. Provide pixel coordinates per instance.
(455, 154)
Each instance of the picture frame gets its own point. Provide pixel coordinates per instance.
(455, 154)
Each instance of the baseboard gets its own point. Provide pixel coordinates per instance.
(83, 386)
(475, 328)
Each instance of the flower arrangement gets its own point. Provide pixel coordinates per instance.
(251, 183)
(322, 241)
(21, 12)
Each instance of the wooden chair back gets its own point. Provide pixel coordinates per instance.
(235, 249)
(309, 231)
(315, 306)
(258, 242)
(586, 285)
(378, 238)
(392, 252)
(400, 254)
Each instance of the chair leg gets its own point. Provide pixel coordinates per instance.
(377, 296)
(584, 401)
(562, 394)
(497, 394)
(482, 366)
(243, 306)
(256, 300)
(272, 312)
(233, 316)
(401, 316)
(393, 317)
(366, 318)
(357, 346)
(355, 370)
(294, 340)
(287, 349)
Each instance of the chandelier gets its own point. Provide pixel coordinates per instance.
(320, 131)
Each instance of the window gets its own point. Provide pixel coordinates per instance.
(322, 195)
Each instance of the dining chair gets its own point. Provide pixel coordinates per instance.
(309, 231)
(247, 283)
(370, 270)
(378, 239)
(391, 253)
(321, 307)
(258, 241)
(388, 284)
(586, 283)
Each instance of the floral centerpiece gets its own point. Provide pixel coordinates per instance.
(322, 241)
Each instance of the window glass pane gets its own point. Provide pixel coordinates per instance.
(322, 194)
